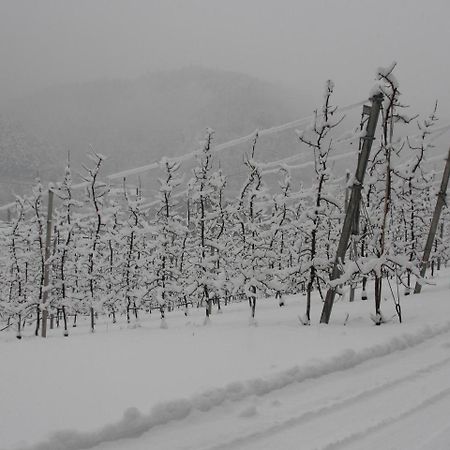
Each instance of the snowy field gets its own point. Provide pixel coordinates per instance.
(228, 385)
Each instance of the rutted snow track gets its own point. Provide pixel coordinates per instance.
(400, 398)
(327, 427)
(363, 416)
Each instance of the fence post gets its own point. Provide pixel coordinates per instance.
(48, 240)
(434, 223)
(352, 213)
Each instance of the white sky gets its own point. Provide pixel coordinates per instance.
(299, 42)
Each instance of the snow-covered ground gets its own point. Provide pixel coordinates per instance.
(228, 385)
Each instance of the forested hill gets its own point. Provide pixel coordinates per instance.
(24, 157)
(166, 113)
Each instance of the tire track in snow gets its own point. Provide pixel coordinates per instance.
(134, 423)
(354, 437)
(361, 396)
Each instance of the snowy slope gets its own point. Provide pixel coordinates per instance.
(228, 385)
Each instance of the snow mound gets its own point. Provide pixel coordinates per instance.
(134, 423)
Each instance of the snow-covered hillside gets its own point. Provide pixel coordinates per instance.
(277, 385)
(162, 114)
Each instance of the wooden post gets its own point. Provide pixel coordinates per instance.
(347, 189)
(48, 240)
(434, 223)
(347, 195)
(352, 213)
(353, 249)
(355, 226)
(441, 236)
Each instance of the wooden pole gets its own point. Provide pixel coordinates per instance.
(347, 189)
(353, 207)
(434, 223)
(347, 195)
(48, 240)
(441, 235)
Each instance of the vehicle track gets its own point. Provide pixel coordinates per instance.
(375, 428)
(316, 417)
(334, 411)
(324, 405)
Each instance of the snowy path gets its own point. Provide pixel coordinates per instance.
(402, 399)
(230, 386)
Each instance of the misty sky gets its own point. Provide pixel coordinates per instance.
(299, 42)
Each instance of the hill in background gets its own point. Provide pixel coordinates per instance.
(136, 122)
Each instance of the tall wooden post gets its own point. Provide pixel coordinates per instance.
(434, 223)
(347, 189)
(441, 235)
(353, 249)
(48, 240)
(352, 213)
(355, 228)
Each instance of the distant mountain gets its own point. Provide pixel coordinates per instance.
(24, 157)
(138, 121)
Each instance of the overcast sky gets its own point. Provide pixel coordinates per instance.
(299, 42)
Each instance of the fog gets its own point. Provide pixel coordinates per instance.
(297, 43)
(137, 80)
